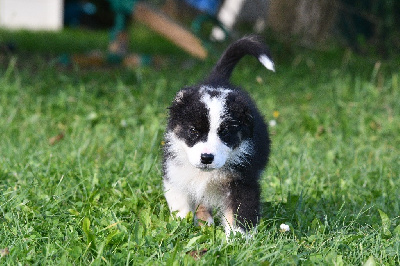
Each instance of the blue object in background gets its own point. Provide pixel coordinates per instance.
(208, 6)
(74, 11)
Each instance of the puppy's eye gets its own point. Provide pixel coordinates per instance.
(194, 132)
(224, 132)
(230, 129)
(233, 127)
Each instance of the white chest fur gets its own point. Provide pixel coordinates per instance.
(201, 187)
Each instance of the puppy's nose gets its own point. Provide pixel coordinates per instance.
(207, 158)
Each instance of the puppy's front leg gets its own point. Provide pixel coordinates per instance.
(177, 200)
(203, 215)
(229, 222)
(242, 213)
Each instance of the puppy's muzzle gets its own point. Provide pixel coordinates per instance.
(206, 158)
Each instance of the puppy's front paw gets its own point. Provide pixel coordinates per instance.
(203, 216)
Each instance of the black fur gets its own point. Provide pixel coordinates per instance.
(188, 117)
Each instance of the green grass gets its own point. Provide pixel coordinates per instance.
(95, 195)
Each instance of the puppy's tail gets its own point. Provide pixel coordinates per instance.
(249, 45)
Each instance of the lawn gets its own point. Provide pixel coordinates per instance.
(80, 153)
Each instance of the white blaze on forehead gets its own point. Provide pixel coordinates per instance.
(216, 109)
(267, 62)
(215, 105)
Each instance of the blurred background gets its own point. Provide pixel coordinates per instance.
(197, 26)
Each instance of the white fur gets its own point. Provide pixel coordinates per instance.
(200, 185)
(267, 62)
(177, 200)
(239, 155)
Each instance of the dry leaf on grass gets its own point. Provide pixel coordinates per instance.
(4, 252)
(197, 254)
(55, 139)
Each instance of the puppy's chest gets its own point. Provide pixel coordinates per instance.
(207, 187)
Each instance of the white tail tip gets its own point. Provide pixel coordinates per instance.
(267, 62)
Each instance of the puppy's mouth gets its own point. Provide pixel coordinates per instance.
(206, 167)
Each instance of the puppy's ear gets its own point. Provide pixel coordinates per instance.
(187, 105)
(249, 119)
(179, 96)
(240, 106)
(178, 102)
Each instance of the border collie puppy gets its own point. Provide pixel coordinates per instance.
(217, 145)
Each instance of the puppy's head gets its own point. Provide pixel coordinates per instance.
(211, 126)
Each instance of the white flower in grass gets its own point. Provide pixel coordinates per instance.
(272, 123)
(285, 228)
